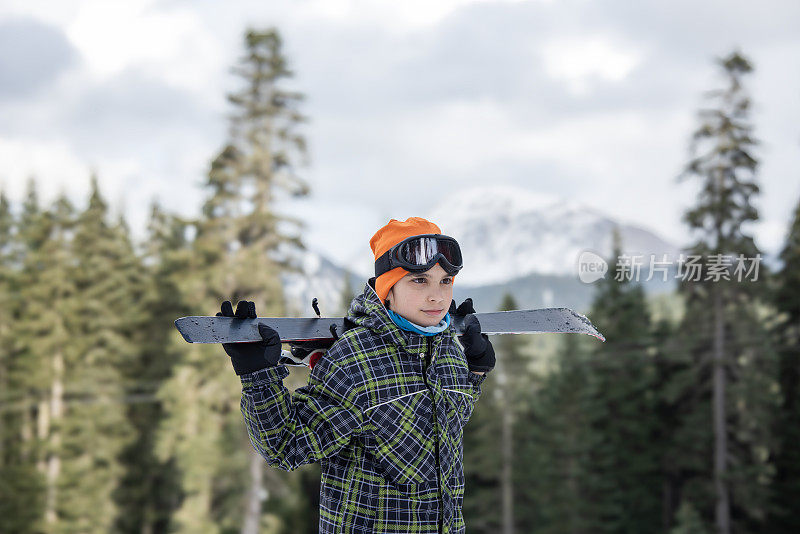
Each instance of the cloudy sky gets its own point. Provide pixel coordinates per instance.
(408, 101)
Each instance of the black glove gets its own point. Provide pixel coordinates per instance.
(477, 347)
(251, 356)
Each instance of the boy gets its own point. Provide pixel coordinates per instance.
(385, 406)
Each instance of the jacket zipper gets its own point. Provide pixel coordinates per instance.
(428, 358)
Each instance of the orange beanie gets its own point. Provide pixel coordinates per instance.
(388, 236)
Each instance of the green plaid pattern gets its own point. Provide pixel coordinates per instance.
(387, 433)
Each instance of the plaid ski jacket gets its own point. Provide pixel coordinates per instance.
(385, 427)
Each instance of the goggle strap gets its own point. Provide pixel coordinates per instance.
(382, 264)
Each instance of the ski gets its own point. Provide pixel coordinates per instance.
(202, 329)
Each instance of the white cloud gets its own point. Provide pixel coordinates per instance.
(53, 164)
(449, 93)
(579, 60)
(400, 16)
(169, 42)
(453, 136)
(56, 12)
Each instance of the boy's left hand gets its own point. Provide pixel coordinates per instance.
(477, 347)
(251, 356)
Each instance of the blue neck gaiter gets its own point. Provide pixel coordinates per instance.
(405, 324)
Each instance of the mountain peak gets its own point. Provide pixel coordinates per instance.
(469, 203)
(506, 232)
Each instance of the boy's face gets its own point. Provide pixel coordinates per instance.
(414, 295)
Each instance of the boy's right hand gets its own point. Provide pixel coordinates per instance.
(251, 356)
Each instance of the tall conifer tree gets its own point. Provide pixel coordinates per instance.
(149, 492)
(241, 248)
(675, 391)
(89, 428)
(21, 484)
(624, 479)
(514, 388)
(490, 464)
(46, 293)
(554, 437)
(721, 322)
(785, 489)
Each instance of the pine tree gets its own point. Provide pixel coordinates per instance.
(554, 437)
(7, 429)
(489, 468)
(785, 489)
(149, 492)
(21, 485)
(675, 394)
(512, 386)
(623, 479)
(45, 294)
(66, 428)
(590, 443)
(482, 463)
(688, 521)
(722, 316)
(241, 248)
(89, 428)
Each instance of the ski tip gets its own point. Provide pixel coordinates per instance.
(600, 336)
(592, 329)
(178, 323)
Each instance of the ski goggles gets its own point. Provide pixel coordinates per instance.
(419, 253)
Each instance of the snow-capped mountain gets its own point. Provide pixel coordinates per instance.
(507, 232)
(511, 238)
